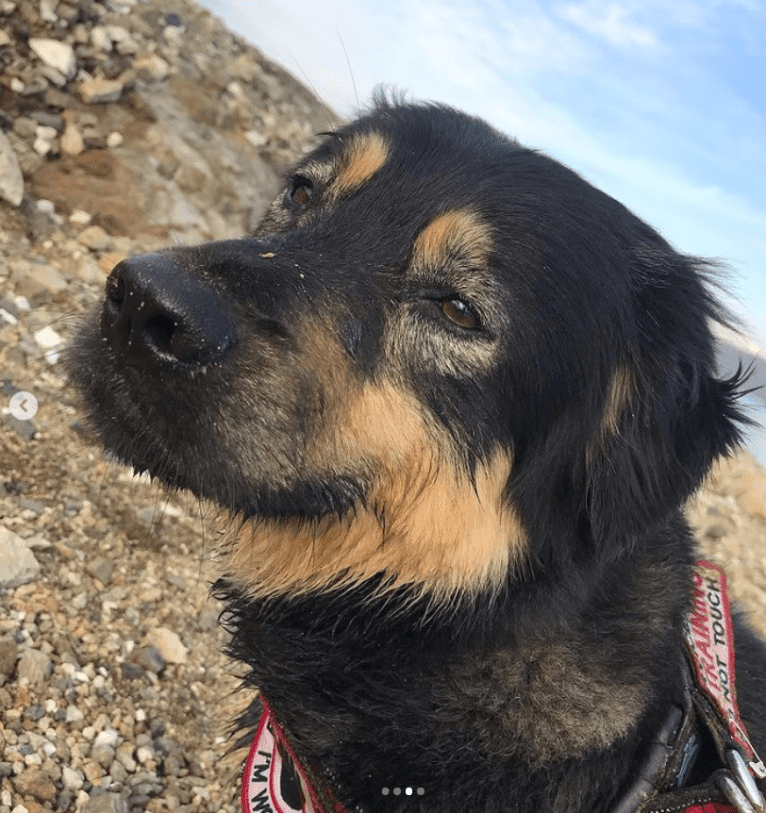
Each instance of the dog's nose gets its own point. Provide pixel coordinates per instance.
(157, 311)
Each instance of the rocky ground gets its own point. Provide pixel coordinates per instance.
(126, 125)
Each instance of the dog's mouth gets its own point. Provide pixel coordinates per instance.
(191, 433)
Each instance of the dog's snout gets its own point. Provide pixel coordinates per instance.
(156, 311)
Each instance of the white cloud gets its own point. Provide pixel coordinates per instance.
(612, 22)
(753, 6)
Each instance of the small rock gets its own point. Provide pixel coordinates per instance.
(117, 772)
(46, 118)
(148, 658)
(103, 755)
(71, 141)
(117, 33)
(106, 803)
(42, 146)
(128, 47)
(55, 54)
(125, 756)
(48, 11)
(48, 338)
(17, 562)
(151, 67)
(25, 127)
(80, 218)
(66, 800)
(132, 671)
(71, 778)
(95, 238)
(95, 91)
(38, 543)
(144, 753)
(101, 569)
(34, 665)
(74, 715)
(35, 280)
(11, 179)
(93, 771)
(108, 736)
(46, 132)
(100, 39)
(34, 712)
(35, 782)
(46, 207)
(168, 644)
(8, 654)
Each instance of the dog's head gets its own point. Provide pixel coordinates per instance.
(443, 360)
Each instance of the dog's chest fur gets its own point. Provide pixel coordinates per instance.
(479, 718)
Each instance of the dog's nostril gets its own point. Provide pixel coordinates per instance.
(159, 331)
(115, 290)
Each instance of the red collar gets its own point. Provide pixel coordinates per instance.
(275, 781)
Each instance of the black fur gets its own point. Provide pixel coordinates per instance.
(590, 365)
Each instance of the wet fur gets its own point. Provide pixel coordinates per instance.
(457, 557)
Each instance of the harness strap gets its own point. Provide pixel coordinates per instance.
(274, 780)
(709, 722)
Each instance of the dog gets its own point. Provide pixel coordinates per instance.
(453, 399)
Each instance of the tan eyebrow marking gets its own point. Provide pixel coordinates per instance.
(456, 235)
(364, 155)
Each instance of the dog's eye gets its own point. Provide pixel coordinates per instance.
(460, 313)
(301, 191)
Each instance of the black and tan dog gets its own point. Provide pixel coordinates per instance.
(454, 398)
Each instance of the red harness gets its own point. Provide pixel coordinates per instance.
(274, 780)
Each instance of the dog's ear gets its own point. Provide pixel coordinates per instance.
(667, 415)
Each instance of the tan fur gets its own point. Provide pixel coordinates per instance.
(557, 696)
(365, 155)
(458, 234)
(425, 525)
(547, 702)
(617, 400)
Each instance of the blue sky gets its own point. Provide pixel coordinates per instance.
(662, 105)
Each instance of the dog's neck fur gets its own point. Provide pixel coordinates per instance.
(479, 717)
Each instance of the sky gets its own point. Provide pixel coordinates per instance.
(662, 105)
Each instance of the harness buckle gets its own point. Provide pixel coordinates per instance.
(738, 785)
